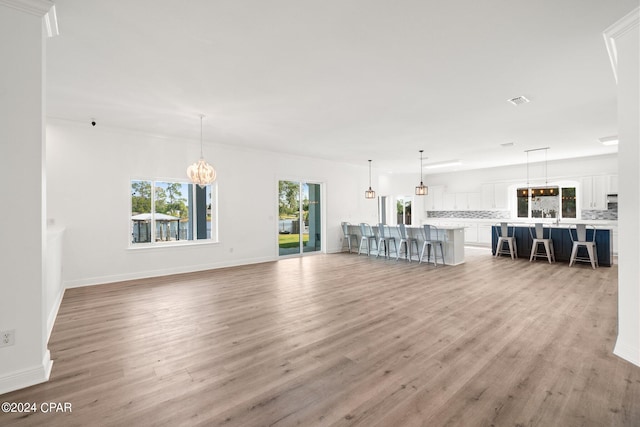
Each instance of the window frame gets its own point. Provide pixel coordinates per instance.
(561, 186)
(193, 222)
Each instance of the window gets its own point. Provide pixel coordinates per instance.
(569, 202)
(546, 202)
(403, 210)
(172, 211)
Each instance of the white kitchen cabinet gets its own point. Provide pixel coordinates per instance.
(449, 201)
(594, 191)
(461, 201)
(470, 233)
(468, 201)
(501, 194)
(613, 184)
(488, 196)
(474, 201)
(484, 234)
(434, 200)
(495, 196)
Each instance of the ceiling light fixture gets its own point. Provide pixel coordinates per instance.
(546, 181)
(201, 172)
(444, 164)
(369, 194)
(421, 190)
(609, 140)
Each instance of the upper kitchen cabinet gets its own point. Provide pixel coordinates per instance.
(468, 201)
(435, 198)
(449, 201)
(613, 184)
(495, 196)
(594, 190)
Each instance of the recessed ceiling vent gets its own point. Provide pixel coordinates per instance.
(518, 100)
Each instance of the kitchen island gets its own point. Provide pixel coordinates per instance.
(562, 242)
(452, 237)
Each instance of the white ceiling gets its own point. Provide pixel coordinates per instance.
(349, 80)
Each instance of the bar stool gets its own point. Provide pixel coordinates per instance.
(429, 242)
(384, 238)
(366, 236)
(347, 235)
(407, 241)
(506, 234)
(580, 239)
(537, 234)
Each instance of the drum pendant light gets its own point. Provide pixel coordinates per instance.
(369, 194)
(421, 190)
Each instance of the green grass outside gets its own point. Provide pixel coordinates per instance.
(291, 240)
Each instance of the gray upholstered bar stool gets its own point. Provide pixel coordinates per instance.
(347, 235)
(537, 234)
(580, 239)
(506, 234)
(407, 241)
(430, 242)
(366, 237)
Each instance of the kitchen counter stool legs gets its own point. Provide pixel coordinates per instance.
(537, 234)
(366, 237)
(579, 239)
(506, 234)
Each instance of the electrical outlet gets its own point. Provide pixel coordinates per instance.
(7, 338)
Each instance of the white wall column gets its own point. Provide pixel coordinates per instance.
(623, 43)
(22, 173)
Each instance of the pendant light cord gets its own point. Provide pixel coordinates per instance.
(201, 151)
(546, 177)
(369, 174)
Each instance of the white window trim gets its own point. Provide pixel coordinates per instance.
(153, 244)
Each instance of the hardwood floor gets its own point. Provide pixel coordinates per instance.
(343, 340)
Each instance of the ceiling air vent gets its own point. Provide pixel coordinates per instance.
(518, 100)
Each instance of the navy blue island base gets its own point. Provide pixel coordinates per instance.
(562, 243)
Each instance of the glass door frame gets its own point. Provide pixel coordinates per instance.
(301, 223)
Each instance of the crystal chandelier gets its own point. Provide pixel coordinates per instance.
(201, 172)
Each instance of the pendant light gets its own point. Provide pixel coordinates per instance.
(541, 190)
(421, 190)
(369, 194)
(201, 172)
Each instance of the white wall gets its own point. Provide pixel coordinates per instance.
(628, 50)
(89, 171)
(22, 260)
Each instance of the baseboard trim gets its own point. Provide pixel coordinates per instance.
(51, 319)
(100, 280)
(27, 377)
(627, 353)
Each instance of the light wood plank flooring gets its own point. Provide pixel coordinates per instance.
(343, 340)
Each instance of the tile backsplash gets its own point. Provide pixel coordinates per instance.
(469, 214)
(611, 214)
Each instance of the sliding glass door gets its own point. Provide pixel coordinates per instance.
(299, 218)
